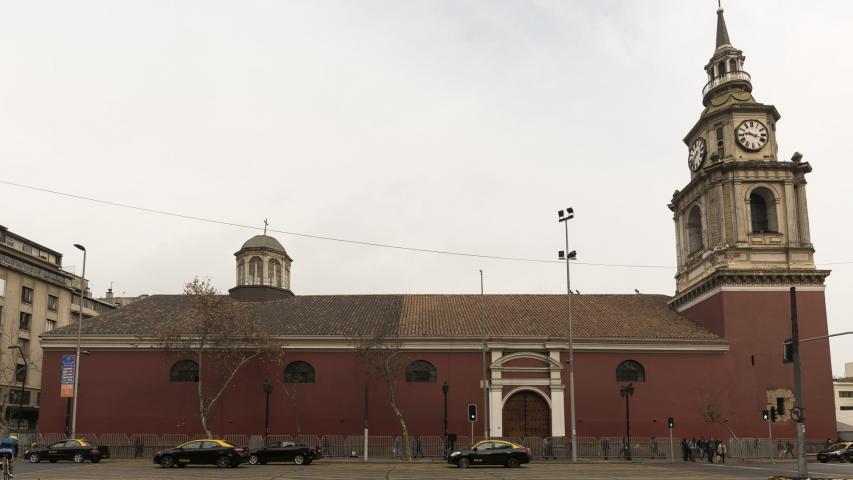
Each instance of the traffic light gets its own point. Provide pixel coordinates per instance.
(788, 351)
(670, 422)
(773, 413)
(765, 415)
(472, 412)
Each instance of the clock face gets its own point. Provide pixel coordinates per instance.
(697, 153)
(752, 135)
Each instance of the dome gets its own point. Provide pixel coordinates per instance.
(263, 241)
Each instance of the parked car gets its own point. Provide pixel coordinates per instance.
(74, 449)
(491, 452)
(843, 452)
(295, 452)
(202, 452)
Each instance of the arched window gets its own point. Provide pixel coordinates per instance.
(299, 372)
(241, 272)
(256, 271)
(274, 271)
(721, 68)
(733, 65)
(762, 211)
(694, 230)
(630, 371)
(184, 371)
(420, 371)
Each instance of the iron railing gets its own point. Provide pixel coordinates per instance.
(725, 78)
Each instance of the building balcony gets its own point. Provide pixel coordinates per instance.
(736, 76)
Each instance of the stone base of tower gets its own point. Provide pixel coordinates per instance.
(756, 319)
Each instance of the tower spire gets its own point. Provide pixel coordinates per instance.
(722, 31)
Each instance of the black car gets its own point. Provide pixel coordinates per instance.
(843, 452)
(201, 452)
(295, 452)
(73, 449)
(491, 452)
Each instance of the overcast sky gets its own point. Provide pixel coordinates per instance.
(453, 125)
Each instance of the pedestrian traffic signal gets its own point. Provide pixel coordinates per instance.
(670, 422)
(765, 415)
(773, 413)
(472, 412)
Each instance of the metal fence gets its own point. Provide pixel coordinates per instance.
(145, 445)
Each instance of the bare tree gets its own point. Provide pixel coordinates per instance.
(383, 357)
(221, 336)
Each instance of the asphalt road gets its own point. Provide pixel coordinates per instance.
(133, 470)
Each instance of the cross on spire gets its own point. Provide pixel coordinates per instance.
(266, 224)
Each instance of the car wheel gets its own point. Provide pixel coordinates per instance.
(223, 462)
(253, 460)
(299, 459)
(34, 458)
(167, 461)
(78, 458)
(463, 463)
(96, 459)
(513, 462)
(822, 460)
(843, 459)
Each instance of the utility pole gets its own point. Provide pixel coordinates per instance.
(485, 385)
(802, 466)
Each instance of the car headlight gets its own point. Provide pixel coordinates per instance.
(455, 453)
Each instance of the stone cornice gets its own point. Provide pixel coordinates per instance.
(750, 278)
(706, 118)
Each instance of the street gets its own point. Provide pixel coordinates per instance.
(136, 469)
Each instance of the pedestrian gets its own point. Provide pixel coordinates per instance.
(326, 450)
(701, 445)
(605, 447)
(139, 447)
(621, 441)
(721, 451)
(685, 449)
(780, 448)
(654, 446)
(692, 447)
(546, 446)
(418, 452)
(789, 449)
(710, 450)
(397, 449)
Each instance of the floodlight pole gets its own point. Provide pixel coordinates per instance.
(564, 218)
(802, 466)
(485, 385)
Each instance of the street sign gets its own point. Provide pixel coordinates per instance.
(66, 385)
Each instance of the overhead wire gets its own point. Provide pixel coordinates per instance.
(330, 238)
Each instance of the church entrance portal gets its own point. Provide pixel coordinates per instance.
(526, 414)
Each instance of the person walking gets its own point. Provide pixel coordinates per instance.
(692, 447)
(605, 447)
(685, 449)
(710, 450)
(139, 447)
(654, 447)
(721, 451)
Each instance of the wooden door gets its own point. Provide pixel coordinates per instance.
(526, 414)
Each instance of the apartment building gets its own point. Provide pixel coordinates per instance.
(36, 296)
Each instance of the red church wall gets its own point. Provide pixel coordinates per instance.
(756, 324)
(130, 392)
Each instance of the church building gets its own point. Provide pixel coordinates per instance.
(710, 356)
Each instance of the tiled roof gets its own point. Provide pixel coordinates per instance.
(593, 316)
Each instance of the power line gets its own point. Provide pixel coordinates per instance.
(328, 238)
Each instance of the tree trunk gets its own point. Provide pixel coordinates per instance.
(392, 399)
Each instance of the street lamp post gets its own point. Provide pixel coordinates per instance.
(627, 391)
(79, 334)
(23, 383)
(564, 217)
(267, 392)
(444, 389)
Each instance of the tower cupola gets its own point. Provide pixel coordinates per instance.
(263, 270)
(725, 69)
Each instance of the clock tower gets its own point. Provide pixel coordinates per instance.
(743, 216)
(742, 237)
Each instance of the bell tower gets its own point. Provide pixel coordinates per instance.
(742, 237)
(743, 217)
